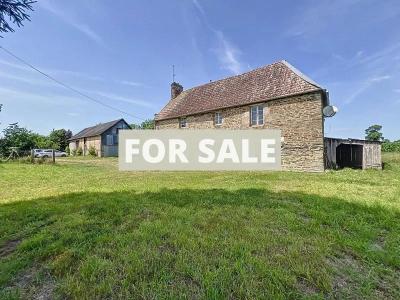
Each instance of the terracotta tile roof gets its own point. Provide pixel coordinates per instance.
(277, 80)
(95, 130)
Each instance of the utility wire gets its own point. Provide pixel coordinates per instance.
(68, 86)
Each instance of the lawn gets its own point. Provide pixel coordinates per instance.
(81, 229)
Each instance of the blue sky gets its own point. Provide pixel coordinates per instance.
(121, 53)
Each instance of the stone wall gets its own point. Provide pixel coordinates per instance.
(93, 142)
(299, 118)
(90, 141)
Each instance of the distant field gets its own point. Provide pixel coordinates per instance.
(81, 229)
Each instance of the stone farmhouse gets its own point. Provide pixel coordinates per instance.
(274, 96)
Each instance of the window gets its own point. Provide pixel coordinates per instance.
(182, 123)
(109, 140)
(257, 115)
(218, 118)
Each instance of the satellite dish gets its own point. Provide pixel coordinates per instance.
(330, 111)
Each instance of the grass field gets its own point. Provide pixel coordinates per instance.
(81, 229)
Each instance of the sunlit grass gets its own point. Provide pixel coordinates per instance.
(82, 229)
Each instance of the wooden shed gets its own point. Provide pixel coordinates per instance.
(352, 153)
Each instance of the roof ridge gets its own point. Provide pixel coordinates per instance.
(238, 75)
(109, 125)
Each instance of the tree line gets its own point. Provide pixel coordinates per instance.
(25, 140)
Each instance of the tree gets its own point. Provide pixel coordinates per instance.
(59, 138)
(15, 136)
(135, 126)
(146, 124)
(373, 133)
(14, 11)
(41, 141)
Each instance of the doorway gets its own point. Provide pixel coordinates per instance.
(349, 156)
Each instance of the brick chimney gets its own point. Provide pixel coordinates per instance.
(176, 89)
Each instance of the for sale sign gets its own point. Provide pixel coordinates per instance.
(208, 149)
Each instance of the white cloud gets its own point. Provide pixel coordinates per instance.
(396, 90)
(31, 81)
(380, 78)
(129, 100)
(70, 20)
(359, 53)
(131, 83)
(56, 72)
(14, 65)
(365, 86)
(41, 100)
(380, 57)
(35, 98)
(228, 55)
(199, 7)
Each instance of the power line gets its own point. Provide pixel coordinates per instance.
(68, 86)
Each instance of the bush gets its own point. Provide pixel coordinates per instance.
(40, 160)
(79, 151)
(67, 150)
(391, 146)
(73, 152)
(92, 151)
(15, 136)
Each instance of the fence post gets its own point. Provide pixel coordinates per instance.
(53, 155)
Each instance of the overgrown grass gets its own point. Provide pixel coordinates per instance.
(81, 229)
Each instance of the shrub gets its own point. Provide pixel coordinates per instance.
(391, 146)
(73, 152)
(67, 150)
(40, 160)
(92, 151)
(79, 151)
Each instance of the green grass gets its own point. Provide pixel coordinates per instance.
(81, 229)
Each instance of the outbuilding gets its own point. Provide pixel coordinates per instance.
(103, 138)
(352, 153)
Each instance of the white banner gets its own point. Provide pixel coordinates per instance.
(208, 149)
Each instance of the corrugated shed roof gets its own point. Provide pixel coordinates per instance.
(95, 130)
(270, 82)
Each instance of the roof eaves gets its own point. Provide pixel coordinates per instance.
(318, 89)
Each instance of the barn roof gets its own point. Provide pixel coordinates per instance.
(95, 130)
(274, 81)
